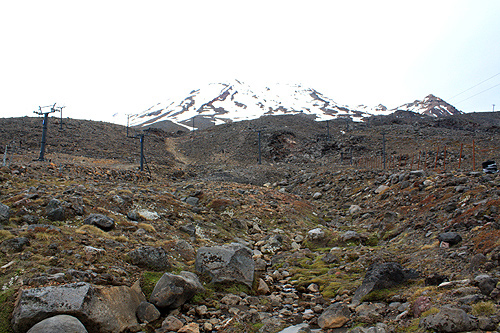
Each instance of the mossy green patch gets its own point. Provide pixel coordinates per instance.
(148, 282)
(483, 309)
(380, 295)
(7, 300)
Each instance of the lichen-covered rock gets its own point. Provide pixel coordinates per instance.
(449, 320)
(150, 257)
(229, 263)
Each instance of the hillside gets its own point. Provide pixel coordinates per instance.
(320, 215)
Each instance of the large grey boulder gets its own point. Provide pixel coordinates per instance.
(99, 308)
(171, 291)
(449, 320)
(382, 276)
(4, 213)
(103, 222)
(154, 258)
(59, 324)
(228, 263)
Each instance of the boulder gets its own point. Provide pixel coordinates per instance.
(55, 210)
(381, 189)
(185, 250)
(99, 308)
(485, 282)
(59, 324)
(316, 234)
(382, 276)
(154, 258)
(228, 263)
(354, 209)
(147, 312)
(451, 238)
(449, 320)
(171, 291)
(15, 244)
(171, 323)
(193, 201)
(335, 316)
(4, 213)
(142, 215)
(317, 195)
(421, 304)
(103, 222)
(370, 313)
(189, 229)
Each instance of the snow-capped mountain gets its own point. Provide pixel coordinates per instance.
(430, 106)
(221, 103)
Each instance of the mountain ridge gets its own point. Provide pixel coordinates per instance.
(220, 103)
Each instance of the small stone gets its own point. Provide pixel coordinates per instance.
(313, 287)
(171, 323)
(190, 328)
(354, 209)
(262, 288)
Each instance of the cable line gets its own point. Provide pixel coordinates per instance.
(473, 87)
(496, 85)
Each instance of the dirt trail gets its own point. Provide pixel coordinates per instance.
(171, 147)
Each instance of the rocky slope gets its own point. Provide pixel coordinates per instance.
(322, 245)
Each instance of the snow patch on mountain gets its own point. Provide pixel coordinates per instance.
(220, 103)
(430, 106)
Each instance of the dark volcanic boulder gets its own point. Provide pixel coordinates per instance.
(59, 324)
(228, 263)
(151, 257)
(55, 210)
(171, 291)
(382, 276)
(451, 238)
(101, 221)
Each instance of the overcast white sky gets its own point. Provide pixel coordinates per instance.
(104, 57)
